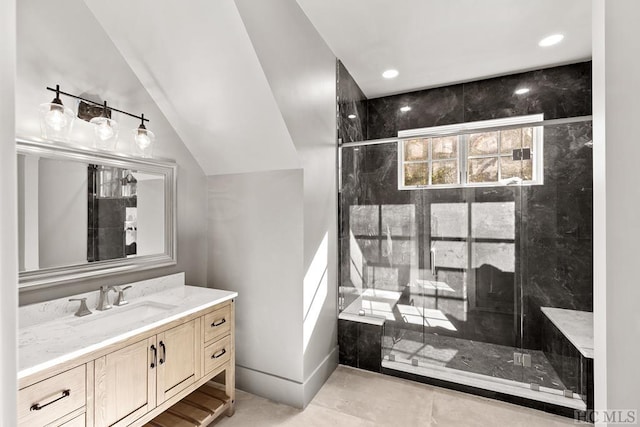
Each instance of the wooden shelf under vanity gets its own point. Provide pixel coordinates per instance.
(198, 409)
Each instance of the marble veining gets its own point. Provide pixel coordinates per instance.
(577, 326)
(51, 342)
(556, 92)
(352, 109)
(495, 246)
(34, 314)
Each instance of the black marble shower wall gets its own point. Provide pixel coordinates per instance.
(558, 92)
(553, 240)
(352, 107)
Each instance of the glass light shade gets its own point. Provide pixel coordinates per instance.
(56, 121)
(144, 139)
(105, 132)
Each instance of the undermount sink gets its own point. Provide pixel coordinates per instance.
(133, 312)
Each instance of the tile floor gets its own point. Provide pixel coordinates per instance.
(352, 397)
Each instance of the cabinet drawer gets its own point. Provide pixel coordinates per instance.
(217, 323)
(55, 397)
(217, 354)
(78, 421)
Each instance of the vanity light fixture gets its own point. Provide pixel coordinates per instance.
(105, 130)
(56, 120)
(551, 40)
(522, 91)
(144, 138)
(55, 115)
(405, 108)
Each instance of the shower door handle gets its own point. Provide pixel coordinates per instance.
(433, 261)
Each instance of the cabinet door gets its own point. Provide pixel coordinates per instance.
(178, 359)
(125, 384)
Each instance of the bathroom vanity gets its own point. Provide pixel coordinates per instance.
(148, 362)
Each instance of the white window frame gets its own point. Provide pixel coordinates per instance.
(462, 131)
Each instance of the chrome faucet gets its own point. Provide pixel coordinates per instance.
(83, 310)
(120, 299)
(103, 301)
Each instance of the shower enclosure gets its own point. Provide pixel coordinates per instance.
(469, 283)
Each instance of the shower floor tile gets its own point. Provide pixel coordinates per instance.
(493, 360)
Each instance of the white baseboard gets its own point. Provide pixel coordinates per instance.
(284, 390)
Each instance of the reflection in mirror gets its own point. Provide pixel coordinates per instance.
(115, 198)
(88, 213)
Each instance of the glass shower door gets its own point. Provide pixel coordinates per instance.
(556, 268)
(458, 319)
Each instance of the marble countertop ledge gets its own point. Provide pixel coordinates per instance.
(50, 334)
(576, 325)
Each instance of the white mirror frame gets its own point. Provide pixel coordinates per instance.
(57, 275)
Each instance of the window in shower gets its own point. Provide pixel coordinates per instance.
(485, 153)
(431, 161)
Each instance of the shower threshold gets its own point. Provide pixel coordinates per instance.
(499, 385)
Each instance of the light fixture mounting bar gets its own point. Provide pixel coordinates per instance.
(58, 91)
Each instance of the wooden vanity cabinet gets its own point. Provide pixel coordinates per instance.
(51, 399)
(125, 384)
(131, 383)
(178, 359)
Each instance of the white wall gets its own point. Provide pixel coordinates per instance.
(28, 176)
(197, 62)
(150, 204)
(300, 70)
(255, 238)
(62, 212)
(616, 84)
(68, 46)
(8, 216)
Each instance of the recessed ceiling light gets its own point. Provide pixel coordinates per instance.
(551, 40)
(405, 109)
(351, 116)
(390, 74)
(522, 91)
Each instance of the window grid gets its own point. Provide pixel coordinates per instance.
(499, 155)
(463, 159)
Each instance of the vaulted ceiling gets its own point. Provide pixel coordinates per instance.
(438, 42)
(198, 63)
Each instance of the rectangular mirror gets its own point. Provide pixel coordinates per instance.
(85, 213)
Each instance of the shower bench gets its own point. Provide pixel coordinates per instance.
(568, 344)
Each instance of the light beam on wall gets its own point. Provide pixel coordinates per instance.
(315, 289)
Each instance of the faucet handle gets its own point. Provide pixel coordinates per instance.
(103, 300)
(83, 310)
(120, 299)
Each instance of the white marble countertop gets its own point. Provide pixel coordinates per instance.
(576, 325)
(46, 342)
